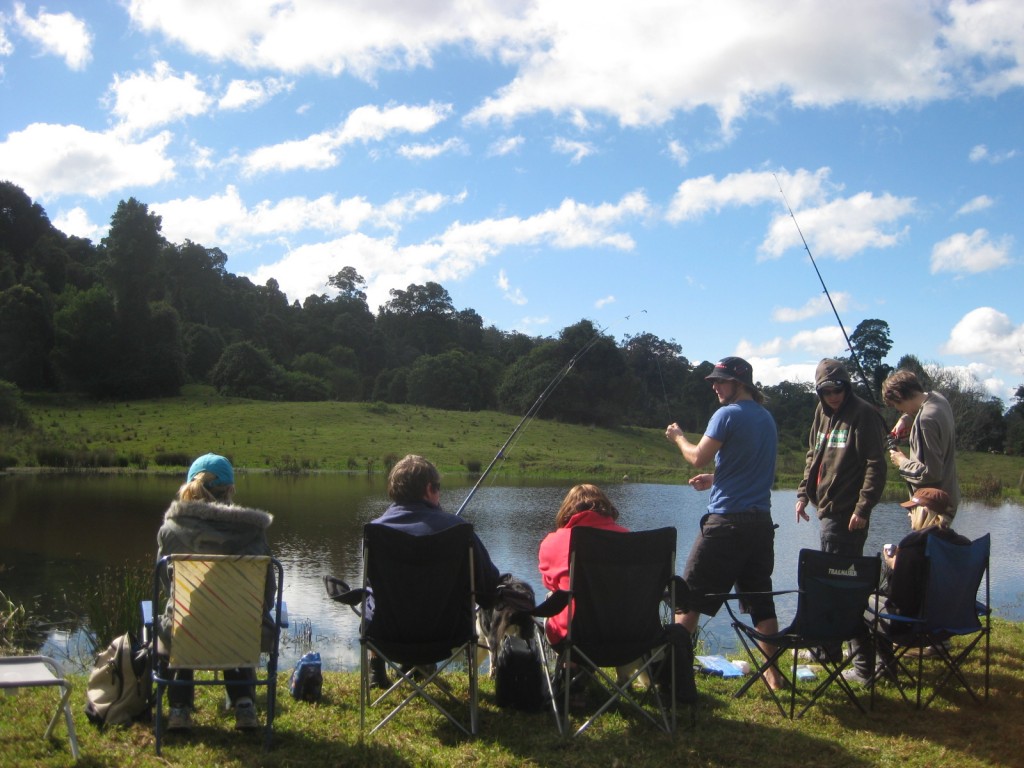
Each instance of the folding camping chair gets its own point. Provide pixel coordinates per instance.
(219, 614)
(41, 671)
(419, 616)
(617, 584)
(832, 598)
(950, 610)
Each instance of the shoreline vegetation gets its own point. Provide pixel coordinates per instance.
(164, 435)
(729, 732)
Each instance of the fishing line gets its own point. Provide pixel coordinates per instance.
(537, 405)
(849, 344)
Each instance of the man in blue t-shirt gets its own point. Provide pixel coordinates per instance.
(736, 546)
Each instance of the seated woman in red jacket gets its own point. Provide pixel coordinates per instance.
(584, 505)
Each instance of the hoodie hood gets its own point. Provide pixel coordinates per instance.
(831, 371)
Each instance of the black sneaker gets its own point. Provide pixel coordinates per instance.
(379, 673)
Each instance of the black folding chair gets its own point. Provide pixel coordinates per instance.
(950, 610)
(418, 609)
(617, 584)
(832, 598)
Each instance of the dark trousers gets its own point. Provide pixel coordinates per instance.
(240, 686)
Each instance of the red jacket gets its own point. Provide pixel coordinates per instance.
(553, 562)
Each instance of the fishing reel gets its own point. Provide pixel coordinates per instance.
(891, 442)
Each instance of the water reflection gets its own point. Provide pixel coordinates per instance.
(58, 532)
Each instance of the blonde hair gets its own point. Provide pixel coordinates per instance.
(581, 497)
(922, 517)
(201, 488)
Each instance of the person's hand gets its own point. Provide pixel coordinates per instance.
(902, 427)
(857, 522)
(672, 431)
(701, 482)
(801, 510)
(897, 457)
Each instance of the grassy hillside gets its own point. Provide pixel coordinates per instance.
(361, 437)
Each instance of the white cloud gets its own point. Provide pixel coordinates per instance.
(6, 46)
(51, 160)
(367, 123)
(980, 152)
(248, 94)
(505, 145)
(142, 101)
(979, 203)
(698, 196)
(457, 252)
(986, 334)
(577, 149)
(59, 34)
(513, 295)
(730, 56)
(679, 153)
(430, 151)
(973, 253)
(841, 228)
(604, 302)
(225, 220)
(816, 306)
(76, 222)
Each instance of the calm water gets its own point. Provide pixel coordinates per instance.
(57, 532)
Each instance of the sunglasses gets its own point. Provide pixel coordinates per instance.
(830, 392)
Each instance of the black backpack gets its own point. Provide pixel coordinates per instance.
(307, 680)
(520, 680)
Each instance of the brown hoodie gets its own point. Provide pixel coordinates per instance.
(846, 461)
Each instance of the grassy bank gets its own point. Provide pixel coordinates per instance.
(729, 732)
(362, 437)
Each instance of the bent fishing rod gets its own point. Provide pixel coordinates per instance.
(849, 344)
(537, 405)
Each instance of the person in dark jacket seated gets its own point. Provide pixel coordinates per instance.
(904, 571)
(414, 487)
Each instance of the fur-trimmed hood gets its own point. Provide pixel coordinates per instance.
(218, 512)
(211, 528)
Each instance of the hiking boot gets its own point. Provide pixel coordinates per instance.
(379, 673)
(245, 716)
(179, 719)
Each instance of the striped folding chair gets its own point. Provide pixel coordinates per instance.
(219, 610)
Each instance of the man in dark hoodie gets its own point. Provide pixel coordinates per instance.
(846, 465)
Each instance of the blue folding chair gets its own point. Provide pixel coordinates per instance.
(951, 611)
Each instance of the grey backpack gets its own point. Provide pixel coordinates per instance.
(120, 684)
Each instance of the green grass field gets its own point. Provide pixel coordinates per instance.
(363, 437)
(729, 732)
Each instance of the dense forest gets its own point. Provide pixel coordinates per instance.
(137, 316)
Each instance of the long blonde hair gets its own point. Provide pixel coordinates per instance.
(922, 517)
(581, 497)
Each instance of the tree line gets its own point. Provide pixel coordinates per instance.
(137, 316)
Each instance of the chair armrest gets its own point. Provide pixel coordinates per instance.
(340, 592)
(555, 603)
(284, 614)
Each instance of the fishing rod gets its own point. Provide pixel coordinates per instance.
(537, 405)
(849, 344)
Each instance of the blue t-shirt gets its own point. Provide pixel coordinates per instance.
(745, 464)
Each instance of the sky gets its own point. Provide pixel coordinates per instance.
(630, 163)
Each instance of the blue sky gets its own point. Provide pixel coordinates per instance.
(552, 161)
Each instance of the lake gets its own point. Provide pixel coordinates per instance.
(58, 532)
